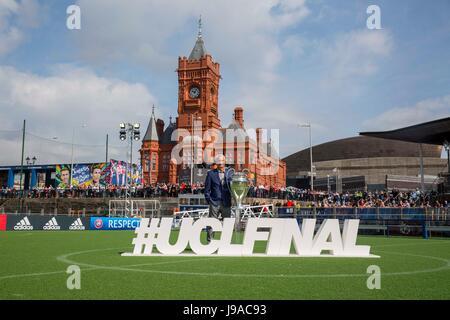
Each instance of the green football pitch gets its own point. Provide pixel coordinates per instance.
(33, 266)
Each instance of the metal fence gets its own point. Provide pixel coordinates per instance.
(387, 221)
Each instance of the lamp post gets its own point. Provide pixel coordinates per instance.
(193, 147)
(308, 125)
(447, 148)
(336, 170)
(133, 132)
(328, 183)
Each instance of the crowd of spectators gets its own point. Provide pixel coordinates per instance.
(364, 199)
(289, 196)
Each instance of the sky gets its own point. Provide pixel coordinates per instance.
(287, 62)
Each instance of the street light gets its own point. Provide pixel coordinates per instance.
(336, 170)
(133, 132)
(193, 149)
(447, 148)
(308, 125)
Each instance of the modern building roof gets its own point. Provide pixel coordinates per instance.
(359, 148)
(433, 132)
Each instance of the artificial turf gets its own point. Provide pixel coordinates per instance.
(33, 266)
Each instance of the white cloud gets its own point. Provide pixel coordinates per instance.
(67, 98)
(15, 18)
(357, 53)
(240, 34)
(422, 111)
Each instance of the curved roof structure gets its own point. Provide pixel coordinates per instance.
(433, 132)
(359, 148)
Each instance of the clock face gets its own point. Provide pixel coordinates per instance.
(194, 92)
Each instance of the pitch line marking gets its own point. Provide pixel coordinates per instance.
(64, 258)
(36, 274)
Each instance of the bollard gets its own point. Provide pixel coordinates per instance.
(42, 211)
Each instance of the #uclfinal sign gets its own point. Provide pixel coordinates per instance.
(327, 241)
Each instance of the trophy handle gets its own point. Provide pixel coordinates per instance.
(227, 173)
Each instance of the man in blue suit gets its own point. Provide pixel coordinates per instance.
(217, 193)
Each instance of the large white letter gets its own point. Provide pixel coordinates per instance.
(291, 232)
(226, 248)
(252, 234)
(196, 230)
(162, 242)
(349, 236)
(328, 238)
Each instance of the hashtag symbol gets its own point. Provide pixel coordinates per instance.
(145, 236)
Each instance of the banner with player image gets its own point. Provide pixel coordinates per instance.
(62, 176)
(136, 175)
(96, 175)
(119, 172)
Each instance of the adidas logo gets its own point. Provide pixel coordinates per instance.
(51, 225)
(23, 224)
(77, 225)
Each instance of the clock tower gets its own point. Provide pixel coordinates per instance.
(198, 88)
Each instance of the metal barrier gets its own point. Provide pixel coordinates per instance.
(142, 208)
(404, 221)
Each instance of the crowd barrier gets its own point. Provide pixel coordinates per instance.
(388, 221)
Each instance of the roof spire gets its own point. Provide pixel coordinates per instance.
(199, 50)
(200, 27)
(152, 133)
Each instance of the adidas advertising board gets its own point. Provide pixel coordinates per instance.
(24, 222)
(52, 224)
(77, 225)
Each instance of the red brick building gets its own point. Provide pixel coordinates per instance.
(198, 107)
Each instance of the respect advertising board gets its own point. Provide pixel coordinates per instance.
(106, 223)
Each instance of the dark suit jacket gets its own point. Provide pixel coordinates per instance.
(215, 192)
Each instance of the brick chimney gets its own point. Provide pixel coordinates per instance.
(239, 116)
(258, 136)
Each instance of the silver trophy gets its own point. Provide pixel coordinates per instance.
(239, 186)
